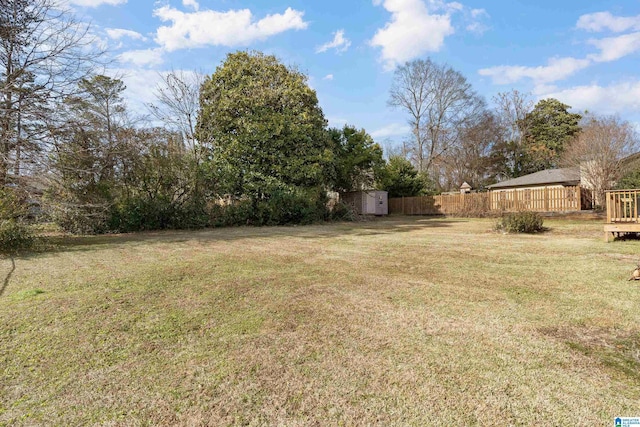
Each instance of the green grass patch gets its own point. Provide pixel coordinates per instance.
(26, 294)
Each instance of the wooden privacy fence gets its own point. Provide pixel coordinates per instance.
(548, 199)
(561, 199)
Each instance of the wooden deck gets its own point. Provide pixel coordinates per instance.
(622, 213)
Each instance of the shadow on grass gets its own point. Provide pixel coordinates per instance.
(627, 236)
(373, 227)
(8, 277)
(615, 348)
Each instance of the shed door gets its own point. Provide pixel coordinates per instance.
(370, 201)
(381, 203)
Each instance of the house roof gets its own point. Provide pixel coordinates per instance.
(568, 176)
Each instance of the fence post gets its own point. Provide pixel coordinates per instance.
(546, 199)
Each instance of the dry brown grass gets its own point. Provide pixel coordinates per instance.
(404, 321)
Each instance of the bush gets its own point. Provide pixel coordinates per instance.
(143, 213)
(280, 206)
(521, 222)
(81, 220)
(15, 236)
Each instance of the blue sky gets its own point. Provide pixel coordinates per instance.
(585, 53)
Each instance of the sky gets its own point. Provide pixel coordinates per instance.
(586, 53)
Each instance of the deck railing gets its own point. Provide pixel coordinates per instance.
(622, 206)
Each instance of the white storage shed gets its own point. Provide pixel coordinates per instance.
(368, 202)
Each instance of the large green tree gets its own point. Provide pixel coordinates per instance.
(550, 128)
(358, 159)
(265, 125)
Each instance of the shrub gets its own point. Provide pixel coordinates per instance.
(15, 236)
(81, 219)
(143, 213)
(281, 206)
(520, 222)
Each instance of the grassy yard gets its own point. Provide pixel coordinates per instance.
(402, 321)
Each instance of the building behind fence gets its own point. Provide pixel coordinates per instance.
(549, 199)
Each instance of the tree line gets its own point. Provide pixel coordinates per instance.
(248, 144)
(456, 138)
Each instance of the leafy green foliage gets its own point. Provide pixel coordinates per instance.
(283, 205)
(271, 151)
(521, 222)
(163, 186)
(630, 180)
(401, 179)
(264, 121)
(550, 128)
(112, 177)
(15, 234)
(358, 159)
(508, 159)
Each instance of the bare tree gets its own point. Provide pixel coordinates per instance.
(470, 161)
(44, 52)
(178, 104)
(512, 109)
(396, 150)
(599, 150)
(440, 102)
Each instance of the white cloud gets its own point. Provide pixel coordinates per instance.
(454, 6)
(328, 77)
(140, 87)
(556, 69)
(479, 13)
(96, 3)
(212, 28)
(618, 98)
(143, 57)
(191, 3)
(475, 18)
(477, 28)
(339, 43)
(412, 31)
(118, 33)
(393, 129)
(601, 21)
(613, 48)
(610, 49)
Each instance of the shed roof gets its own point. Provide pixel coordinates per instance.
(567, 176)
